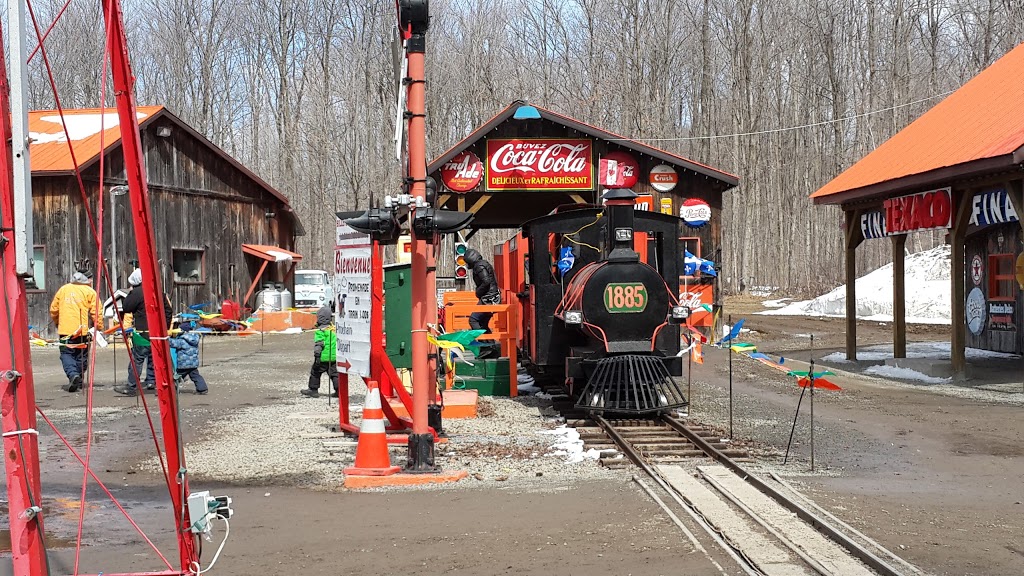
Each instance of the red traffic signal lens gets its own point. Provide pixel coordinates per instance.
(460, 272)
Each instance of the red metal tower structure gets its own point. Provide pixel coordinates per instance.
(17, 394)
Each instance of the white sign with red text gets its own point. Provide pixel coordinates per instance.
(353, 299)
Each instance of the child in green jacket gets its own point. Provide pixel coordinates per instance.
(325, 349)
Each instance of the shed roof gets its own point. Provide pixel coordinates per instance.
(729, 180)
(49, 154)
(977, 129)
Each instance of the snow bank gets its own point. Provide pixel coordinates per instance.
(927, 293)
(930, 350)
(886, 371)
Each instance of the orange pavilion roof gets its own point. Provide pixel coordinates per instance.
(978, 128)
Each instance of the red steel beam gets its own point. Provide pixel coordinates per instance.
(17, 390)
(142, 216)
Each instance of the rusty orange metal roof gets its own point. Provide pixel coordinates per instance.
(271, 253)
(49, 152)
(979, 128)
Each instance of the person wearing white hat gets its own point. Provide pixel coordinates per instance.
(135, 304)
(70, 311)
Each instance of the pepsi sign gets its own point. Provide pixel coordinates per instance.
(695, 213)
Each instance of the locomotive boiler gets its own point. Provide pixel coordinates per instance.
(602, 316)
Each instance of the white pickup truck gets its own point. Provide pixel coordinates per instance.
(313, 289)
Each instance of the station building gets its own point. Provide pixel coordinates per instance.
(959, 167)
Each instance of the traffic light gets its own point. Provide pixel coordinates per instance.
(379, 223)
(429, 222)
(461, 268)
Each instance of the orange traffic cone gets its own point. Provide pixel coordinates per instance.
(372, 450)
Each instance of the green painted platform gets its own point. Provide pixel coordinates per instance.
(488, 377)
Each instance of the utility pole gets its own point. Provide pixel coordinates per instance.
(414, 17)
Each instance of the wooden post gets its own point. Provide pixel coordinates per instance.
(854, 237)
(1015, 190)
(958, 343)
(899, 297)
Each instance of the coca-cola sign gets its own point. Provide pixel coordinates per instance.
(540, 164)
(463, 172)
(694, 297)
(627, 166)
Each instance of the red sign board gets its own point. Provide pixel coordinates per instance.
(922, 211)
(644, 202)
(694, 296)
(628, 167)
(540, 164)
(463, 172)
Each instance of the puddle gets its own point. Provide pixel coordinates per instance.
(52, 542)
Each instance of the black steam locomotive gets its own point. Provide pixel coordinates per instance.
(602, 315)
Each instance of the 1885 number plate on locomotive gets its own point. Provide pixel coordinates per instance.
(625, 297)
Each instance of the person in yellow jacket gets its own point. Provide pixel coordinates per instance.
(71, 308)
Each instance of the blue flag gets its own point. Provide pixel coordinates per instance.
(566, 259)
(693, 264)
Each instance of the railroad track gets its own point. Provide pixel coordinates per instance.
(656, 446)
(655, 440)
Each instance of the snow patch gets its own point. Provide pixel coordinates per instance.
(80, 126)
(776, 303)
(928, 295)
(930, 350)
(886, 371)
(568, 444)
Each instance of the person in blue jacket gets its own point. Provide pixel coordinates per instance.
(187, 347)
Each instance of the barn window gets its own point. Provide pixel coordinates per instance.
(38, 280)
(189, 266)
(1001, 280)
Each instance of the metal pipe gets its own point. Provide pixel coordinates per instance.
(421, 442)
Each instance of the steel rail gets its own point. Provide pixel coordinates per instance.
(858, 551)
(745, 564)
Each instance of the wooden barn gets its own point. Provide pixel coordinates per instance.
(206, 206)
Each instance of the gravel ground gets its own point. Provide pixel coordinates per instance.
(289, 442)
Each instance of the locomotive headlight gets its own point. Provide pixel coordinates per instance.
(573, 317)
(623, 234)
(680, 314)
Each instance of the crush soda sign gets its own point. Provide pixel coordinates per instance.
(540, 164)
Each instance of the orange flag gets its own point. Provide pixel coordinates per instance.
(697, 353)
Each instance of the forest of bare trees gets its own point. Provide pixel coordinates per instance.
(783, 93)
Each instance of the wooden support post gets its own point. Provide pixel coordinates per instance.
(480, 203)
(899, 297)
(443, 199)
(461, 204)
(1015, 190)
(578, 198)
(854, 237)
(957, 235)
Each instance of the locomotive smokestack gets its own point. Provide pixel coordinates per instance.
(619, 204)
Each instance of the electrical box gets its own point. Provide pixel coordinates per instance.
(201, 509)
(397, 314)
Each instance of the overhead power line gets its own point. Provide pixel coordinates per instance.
(791, 128)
